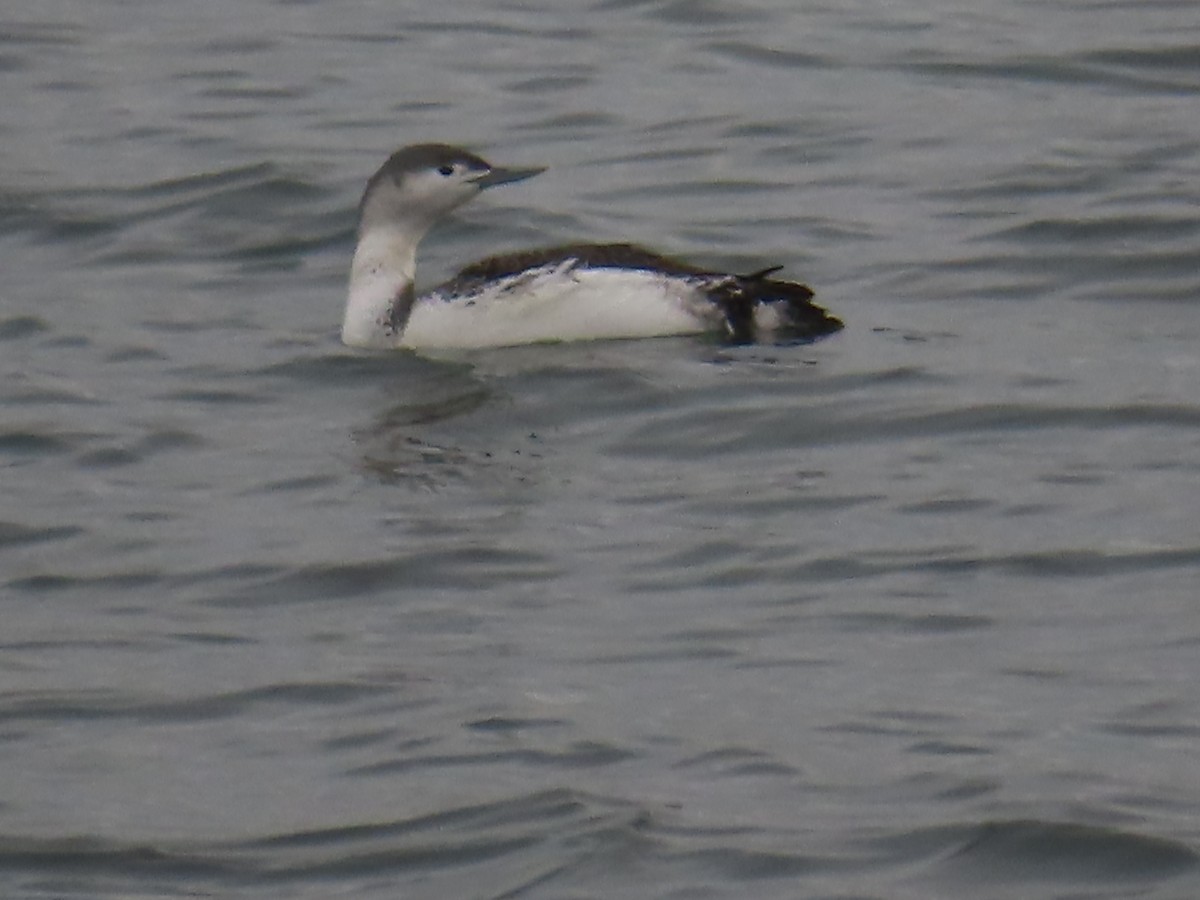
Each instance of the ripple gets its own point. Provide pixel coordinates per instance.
(1024, 851)
(1088, 231)
(1123, 70)
(581, 754)
(473, 567)
(736, 761)
(110, 705)
(35, 443)
(718, 432)
(14, 328)
(768, 56)
(16, 534)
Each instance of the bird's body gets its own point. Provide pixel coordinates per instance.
(566, 293)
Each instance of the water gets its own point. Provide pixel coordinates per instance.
(909, 612)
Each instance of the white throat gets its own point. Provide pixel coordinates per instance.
(381, 286)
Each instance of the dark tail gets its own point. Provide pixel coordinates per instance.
(801, 319)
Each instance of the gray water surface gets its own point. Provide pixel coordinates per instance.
(907, 612)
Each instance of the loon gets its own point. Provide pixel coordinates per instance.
(564, 293)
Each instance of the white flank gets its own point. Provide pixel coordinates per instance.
(561, 304)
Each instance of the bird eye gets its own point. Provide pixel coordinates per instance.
(445, 171)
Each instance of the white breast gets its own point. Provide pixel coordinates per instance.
(561, 304)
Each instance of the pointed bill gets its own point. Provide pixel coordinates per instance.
(497, 175)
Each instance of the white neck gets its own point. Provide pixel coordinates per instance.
(384, 269)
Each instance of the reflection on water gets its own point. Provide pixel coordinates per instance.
(394, 452)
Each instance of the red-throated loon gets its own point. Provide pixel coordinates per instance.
(567, 293)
